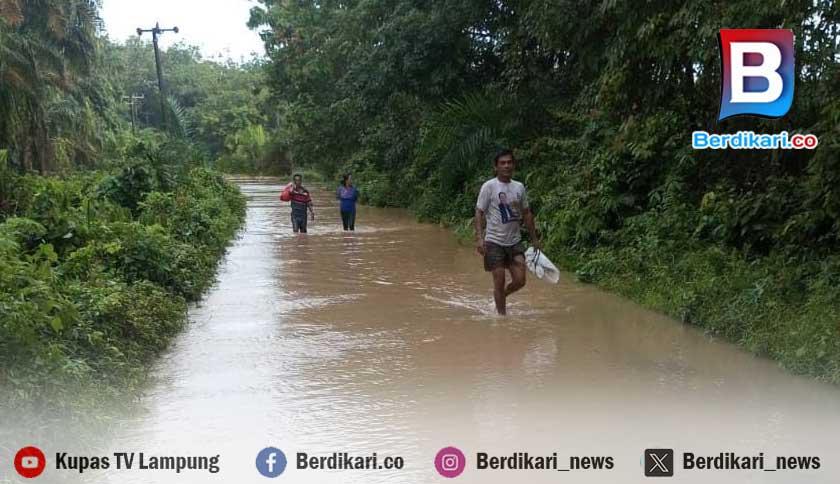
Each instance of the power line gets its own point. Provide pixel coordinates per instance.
(156, 30)
(132, 101)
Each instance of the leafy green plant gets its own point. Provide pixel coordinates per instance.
(90, 289)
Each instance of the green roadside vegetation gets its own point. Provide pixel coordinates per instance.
(599, 100)
(96, 270)
(108, 228)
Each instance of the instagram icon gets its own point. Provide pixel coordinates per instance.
(450, 462)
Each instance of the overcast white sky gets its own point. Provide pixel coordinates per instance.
(216, 26)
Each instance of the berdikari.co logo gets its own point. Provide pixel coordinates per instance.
(757, 79)
(757, 72)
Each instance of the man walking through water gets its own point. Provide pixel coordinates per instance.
(502, 206)
(301, 202)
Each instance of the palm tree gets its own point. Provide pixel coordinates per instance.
(46, 46)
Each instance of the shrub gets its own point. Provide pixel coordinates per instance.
(95, 272)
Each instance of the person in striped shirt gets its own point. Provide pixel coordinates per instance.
(301, 202)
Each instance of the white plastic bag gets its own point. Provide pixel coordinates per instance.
(539, 264)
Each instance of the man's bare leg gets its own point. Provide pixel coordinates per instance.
(517, 275)
(499, 293)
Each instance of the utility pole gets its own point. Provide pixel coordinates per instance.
(132, 101)
(155, 32)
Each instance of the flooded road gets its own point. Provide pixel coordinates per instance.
(384, 340)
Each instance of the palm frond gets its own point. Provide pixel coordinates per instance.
(180, 123)
(464, 131)
(57, 20)
(11, 12)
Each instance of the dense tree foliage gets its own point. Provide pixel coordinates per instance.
(215, 102)
(599, 100)
(65, 89)
(98, 259)
(52, 103)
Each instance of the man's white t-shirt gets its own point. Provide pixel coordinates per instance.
(503, 204)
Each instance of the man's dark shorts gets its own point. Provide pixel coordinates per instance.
(496, 255)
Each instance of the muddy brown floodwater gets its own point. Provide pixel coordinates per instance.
(384, 340)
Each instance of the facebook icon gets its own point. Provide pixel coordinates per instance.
(271, 462)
